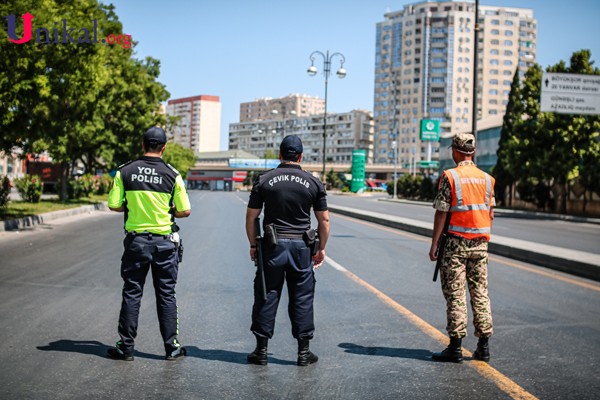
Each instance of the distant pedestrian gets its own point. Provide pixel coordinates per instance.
(151, 193)
(466, 196)
(287, 193)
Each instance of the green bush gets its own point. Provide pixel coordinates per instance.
(4, 192)
(426, 191)
(30, 188)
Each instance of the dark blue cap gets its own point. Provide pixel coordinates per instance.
(155, 135)
(291, 145)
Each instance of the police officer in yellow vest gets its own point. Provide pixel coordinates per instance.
(151, 193)
(466, 196)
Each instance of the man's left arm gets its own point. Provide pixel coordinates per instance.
(116, 196)
(181, 200)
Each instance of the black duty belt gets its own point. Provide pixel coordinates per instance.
(289, 235)
(149, 235)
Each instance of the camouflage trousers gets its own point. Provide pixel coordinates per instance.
(465, 264)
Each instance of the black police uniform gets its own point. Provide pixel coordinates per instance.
(148, 187)
(288, 193)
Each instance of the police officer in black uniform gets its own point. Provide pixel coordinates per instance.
(287, 193)
(151, 193)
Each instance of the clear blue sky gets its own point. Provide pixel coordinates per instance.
(241, 50)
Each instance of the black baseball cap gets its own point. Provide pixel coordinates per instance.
(291, 145)
(155, 135)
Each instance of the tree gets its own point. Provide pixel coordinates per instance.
(546, 151)
(83, 102)
(511, 123)
(181, 158)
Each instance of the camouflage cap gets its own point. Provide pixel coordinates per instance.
(464, 143)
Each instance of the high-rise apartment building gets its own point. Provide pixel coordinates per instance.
(424, 70)
(345, 132)
(199, 126)
(292, 105)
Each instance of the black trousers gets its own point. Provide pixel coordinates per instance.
(289, 261)
(143, 253)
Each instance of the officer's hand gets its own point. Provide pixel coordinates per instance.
(318, 259)
(433, 252)
(253, 253)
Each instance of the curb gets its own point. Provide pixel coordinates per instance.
(20, 223)
(579, 263)
(504, 212)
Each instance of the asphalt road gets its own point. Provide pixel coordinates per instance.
(378, 318)
(580, 236)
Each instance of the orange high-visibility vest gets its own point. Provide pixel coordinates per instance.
(472, 191)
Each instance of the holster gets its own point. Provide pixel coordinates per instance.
(311, 239)
(271, 235)
(180, 250)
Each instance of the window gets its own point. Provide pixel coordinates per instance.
(495, 22)
(507, 72)
(493, 101)
(493, 112)
(494, 52)
(494, 62)
(506, 83)
(508, 43)
(493, 81)
(508, 22)
(508, 62)
(495, 32)
(495, 42)
(508, 53)
(493, 91)
(508, 33)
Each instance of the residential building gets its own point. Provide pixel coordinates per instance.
(345, 132)
(199, 126)
(424, 70)
(292, 105)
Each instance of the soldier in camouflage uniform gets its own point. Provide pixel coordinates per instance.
(465, 196)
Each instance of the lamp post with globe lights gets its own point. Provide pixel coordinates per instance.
(341, 73)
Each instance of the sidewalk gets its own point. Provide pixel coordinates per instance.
(574, 262)
(20, 223)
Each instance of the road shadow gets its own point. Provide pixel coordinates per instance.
(417, 354)
(233, 357)
(90, 347)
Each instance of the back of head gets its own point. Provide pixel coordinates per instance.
(464, 143)
(291, 148)
(154, 139)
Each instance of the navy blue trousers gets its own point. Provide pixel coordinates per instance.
(142, 254)
(290, 261)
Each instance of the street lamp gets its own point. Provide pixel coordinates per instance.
(341, 73)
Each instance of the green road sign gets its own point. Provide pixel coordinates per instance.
(359, 160)
(429, 164)
(430, 129)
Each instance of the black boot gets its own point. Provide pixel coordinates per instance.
(259, 355)
(305, 356)
(452, 353)
(482, 353)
